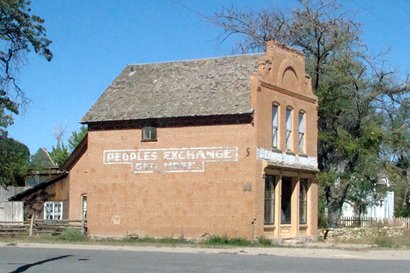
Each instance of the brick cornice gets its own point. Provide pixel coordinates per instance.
(308, 98)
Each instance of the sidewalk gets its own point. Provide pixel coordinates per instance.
(312, 251)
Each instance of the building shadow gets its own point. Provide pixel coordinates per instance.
(27, 266)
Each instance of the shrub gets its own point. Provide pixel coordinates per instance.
(265, 242)
(383, 241)
(72, 235)
(225, 240)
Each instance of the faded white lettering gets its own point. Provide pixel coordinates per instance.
(172, 159)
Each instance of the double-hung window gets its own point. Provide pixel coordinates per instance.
(289, 129)
(304, 184)
(301, 136)
(53, 211)
(269, 217)
(275, 126)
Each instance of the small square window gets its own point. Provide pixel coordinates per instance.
(53, 210)
(149, 133)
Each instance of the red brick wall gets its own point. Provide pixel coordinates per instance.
(167, 204)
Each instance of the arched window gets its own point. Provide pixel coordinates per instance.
(289, 138)
(301, 136)
(275, 125)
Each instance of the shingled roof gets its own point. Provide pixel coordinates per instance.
(218, 86)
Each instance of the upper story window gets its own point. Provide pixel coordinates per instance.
(289, 141)
(149, 133)
(275, 126)
(301, 136)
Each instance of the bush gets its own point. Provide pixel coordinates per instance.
(225, 240)
(383, 241)
(72, 235)
(265, 242)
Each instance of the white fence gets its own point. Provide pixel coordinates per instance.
(369, 221)
(11, 212)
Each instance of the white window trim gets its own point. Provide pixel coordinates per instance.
(55, 215)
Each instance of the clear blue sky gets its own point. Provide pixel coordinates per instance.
(94, 39)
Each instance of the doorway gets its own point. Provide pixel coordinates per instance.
(286, 200)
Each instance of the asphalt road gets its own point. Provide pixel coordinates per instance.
(43, 260)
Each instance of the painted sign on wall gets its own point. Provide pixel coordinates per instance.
(170, 160)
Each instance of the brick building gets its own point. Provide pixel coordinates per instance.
(223, 146)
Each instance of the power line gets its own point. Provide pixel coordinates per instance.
(390, 25)
(198, 13)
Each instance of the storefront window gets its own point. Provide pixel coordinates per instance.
(269, 199)
(286, 200)
(303, 201)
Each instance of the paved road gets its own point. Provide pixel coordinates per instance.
(46, 260)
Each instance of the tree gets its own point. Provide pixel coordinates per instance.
(6, 107)
(20, 32)
(397, 148)
(349, 88)
(41, 160)
(14, 162)
(76, 138)
(59, 153)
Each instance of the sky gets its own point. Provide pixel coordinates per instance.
(94, 40)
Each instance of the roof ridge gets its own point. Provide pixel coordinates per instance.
(199, 59)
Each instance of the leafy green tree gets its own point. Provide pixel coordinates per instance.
(76, 138)
(397, 150)
(59, 153)
(349, 86)
(41, 160)
(14, 162)
(20, 32)
(6, 107)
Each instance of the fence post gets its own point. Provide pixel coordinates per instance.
(31, 225)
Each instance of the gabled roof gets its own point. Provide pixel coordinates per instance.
(218, 86)
(37, 187)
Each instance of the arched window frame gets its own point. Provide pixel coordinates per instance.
(302, 131)
(275, 124)
(289, 128)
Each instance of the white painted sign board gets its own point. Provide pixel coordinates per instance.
(170, 160)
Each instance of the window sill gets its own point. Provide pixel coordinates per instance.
(149, 140)
(269, 227)
(275, 150)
